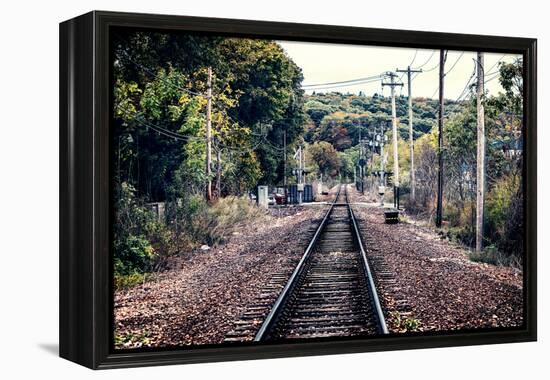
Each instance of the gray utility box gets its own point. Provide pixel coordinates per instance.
(263, 200)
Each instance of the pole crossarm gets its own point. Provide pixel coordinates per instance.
(408, 70)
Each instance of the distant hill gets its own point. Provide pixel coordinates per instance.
(339, 118)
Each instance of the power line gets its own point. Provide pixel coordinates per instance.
(169, 133)
(435, 92)
(410, 64)
(454, 64)
(465, 90)
(344, 85)
(151, 72)
(497, 62)
(139, 120)
(414, 58)
(374, 77)
(432, 68)
(425, 63)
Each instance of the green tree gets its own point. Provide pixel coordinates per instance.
(325, 157)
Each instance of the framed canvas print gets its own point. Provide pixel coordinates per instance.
(236, 189)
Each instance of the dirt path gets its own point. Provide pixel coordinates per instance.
(197, 299)
(433, 281)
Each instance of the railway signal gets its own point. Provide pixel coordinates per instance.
(299, 172)
(376, 144)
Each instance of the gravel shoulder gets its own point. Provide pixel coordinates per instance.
(196, 299)
(433, 281)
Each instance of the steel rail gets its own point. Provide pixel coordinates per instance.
(281, 301)
(368, 273)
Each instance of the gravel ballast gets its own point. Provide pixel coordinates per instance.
(442, 288)
(196, 300)
(425, 283)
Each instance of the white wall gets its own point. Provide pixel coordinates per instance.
(29, 191)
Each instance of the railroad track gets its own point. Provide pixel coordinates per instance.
(331, 291)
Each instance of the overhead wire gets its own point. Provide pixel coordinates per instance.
(425, 63)
(341, 82)
(454, 64)
(414, 57)
(151, 72)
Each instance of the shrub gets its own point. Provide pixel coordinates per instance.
(491, 255)
(142, 243)
(212, 225)
(123, 281)
(504, 222)
(133, 254)
(230, 214)
(140, 240)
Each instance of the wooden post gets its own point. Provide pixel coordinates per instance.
(218, 173)
(209, 135)
(439, 213)
(284, 166)
(480, 186)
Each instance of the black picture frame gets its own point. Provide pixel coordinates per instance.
(85, 86)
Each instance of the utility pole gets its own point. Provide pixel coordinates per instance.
(411, 135)
(209, 135)
(218, 173)
(382, 189)
(302, 164)
(480, 187)
(361, 162)
(284, 159)
(439, 213)
(284, 165)
(392, 85)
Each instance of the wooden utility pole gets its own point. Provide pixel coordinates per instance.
(284, 160)
(411, 134)
(382, 142)
(209, 135)
(439, 213)
(392, 85)
(284, 167)
(361, 162)
(218, 173)
(480, 186)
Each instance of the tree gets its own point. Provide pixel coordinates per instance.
(325, 157)
(160, 82)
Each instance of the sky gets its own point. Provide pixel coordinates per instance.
(326, 63)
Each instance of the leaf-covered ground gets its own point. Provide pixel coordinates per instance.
(429, 284)
(196, 300)
(443, 288)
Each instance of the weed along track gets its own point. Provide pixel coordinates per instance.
(330, 293)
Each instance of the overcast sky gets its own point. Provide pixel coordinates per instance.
(323, 63)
